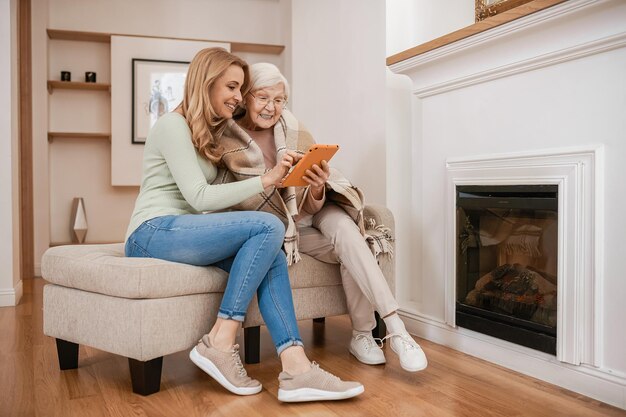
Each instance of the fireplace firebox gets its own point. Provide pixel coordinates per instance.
(506, 276)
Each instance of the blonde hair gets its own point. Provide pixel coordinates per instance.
(264, 74)
(205, 124)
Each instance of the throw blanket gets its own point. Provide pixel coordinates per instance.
(243, 159)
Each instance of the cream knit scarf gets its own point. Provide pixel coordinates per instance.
(243, 159)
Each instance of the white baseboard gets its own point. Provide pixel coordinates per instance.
(11, 297)
(601, 384)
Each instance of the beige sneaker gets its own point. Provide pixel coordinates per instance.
(315, 385)
(225, 367)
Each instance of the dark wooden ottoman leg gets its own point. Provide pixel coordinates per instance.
(320, 320)
(68, 354)
(146, 376)
(381, 329)
(252, 344)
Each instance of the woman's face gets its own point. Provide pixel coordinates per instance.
(225, 92)
(262, 109)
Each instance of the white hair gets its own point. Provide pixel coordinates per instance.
(264, 74)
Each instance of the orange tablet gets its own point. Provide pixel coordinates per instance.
(314, 156)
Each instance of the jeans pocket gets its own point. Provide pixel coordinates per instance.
(133, 250)
(161, 222)
(134, 247)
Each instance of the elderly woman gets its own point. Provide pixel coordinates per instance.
(332, 232)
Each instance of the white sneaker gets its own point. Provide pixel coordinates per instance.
(412, 357)
(364, 347)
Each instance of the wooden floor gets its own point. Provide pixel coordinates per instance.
(454, 384)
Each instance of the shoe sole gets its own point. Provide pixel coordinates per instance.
(312, 394)
(406, 368)
(365, 361)
(209, 367)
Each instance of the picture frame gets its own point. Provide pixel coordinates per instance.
(488, 8)
(157, 88)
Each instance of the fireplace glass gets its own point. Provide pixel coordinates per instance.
(506, 277)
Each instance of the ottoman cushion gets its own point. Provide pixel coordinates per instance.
(104, 269)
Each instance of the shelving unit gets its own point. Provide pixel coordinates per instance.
(79, 135)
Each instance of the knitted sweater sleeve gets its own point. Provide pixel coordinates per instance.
(174, 143)
(311, 205)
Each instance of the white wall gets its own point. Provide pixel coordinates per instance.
(410, 23)
(553, 83)
(41, 185)
(10, 274)
(256, 21)
(338, 83)
(400, 193)
(413, 22)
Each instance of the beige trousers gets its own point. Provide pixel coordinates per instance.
(335, 238)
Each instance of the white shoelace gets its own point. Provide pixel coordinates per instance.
(367, 340)
(331, 376)
(407, 341)
(238, 365)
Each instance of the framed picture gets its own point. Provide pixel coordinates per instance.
(489, 8)
(157, 89)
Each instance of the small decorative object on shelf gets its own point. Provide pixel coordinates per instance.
(78, 221)
(90, 77)
(66, 76)
(488, 8)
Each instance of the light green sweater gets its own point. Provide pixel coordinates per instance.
(176, 178)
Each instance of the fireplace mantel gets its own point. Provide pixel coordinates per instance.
(535, 100)
(514, 48)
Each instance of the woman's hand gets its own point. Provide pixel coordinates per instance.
(316, 177)
(275, 175)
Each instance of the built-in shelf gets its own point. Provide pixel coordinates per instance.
(71, 35)
(257, 48)
(53, 244)
(56, 135)
(74, 85)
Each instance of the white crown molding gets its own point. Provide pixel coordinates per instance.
(578, 174)
(494, 33)
(568, 54)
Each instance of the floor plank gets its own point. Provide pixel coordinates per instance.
(453, 385)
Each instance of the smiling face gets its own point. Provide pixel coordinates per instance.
(260, 115)
(225, 92)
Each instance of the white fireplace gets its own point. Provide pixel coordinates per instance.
(540, 100)
(575, 172)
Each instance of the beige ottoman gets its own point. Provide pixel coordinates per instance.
(144, 308)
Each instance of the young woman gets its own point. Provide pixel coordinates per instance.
(169, 222)
(268, 131)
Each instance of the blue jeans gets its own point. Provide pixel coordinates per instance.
(247, 244)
